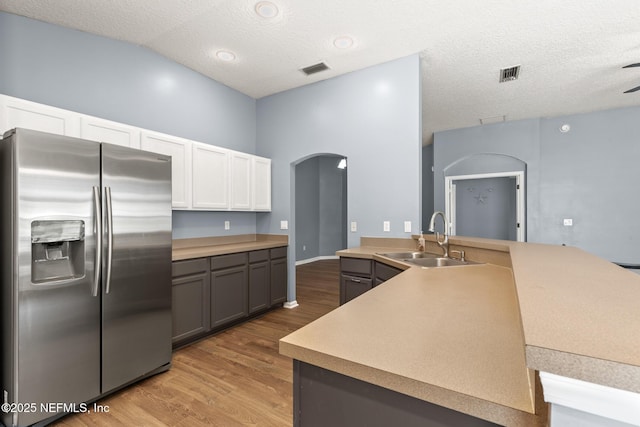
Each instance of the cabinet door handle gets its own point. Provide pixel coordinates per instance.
(355, 280)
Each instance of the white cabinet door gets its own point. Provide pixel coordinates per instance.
(180, 151)
(261, 184)
(241, 181)
(210, 177)
(18, 113)
(102, 130)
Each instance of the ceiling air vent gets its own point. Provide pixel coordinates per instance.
(315, 68)
(508, 74)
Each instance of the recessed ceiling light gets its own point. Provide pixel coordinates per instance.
(343, 42)
(225, 55)
(266, 9)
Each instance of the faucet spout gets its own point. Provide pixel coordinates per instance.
(444, 244)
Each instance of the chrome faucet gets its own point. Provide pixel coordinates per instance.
(444, 244)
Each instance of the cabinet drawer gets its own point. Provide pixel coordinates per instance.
(356, 266)
(226, 261)
(352, 287)
(191, 266)
(259, 256)
(279, 252)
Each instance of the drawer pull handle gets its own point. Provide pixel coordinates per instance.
(355, 280)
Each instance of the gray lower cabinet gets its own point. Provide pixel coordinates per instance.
(278, 291)
(259, 280)
(212, 293)
(355, 278)
(190, 298)
(229, 288)
(384, 272)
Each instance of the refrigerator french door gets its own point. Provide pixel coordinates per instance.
(86, 271)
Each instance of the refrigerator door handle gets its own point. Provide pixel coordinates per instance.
(107, 191)
(98, 233)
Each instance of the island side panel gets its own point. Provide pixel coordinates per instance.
(325, 398)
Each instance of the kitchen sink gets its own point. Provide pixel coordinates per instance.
(439, 262)
(404, 256)
(426, 260)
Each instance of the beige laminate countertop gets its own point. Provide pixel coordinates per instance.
(580, 315)
(469, 338)
(184, 249)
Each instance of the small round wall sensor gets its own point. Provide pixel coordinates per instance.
(565, 128)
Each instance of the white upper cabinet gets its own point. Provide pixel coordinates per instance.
(241, 187)
(210, 177)
(204, 177)
(261, 184)
(102, 130)
(180, 151)
(18, 113)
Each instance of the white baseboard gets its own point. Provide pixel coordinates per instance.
(290, 304)
(318, 258)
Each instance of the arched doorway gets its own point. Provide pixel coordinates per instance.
(320, 206)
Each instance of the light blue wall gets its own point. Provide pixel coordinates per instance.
(333, 206)
(307, 209)
(372, 117)
(427, 186)
(119, 81)
(589, 174)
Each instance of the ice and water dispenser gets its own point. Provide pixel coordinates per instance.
(57, 250)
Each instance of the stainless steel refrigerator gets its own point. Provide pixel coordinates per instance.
(86, 271)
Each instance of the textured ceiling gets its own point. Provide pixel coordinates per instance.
(571, 51)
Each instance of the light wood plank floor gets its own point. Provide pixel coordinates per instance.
(235, 378)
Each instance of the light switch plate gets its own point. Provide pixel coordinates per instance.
(284, 225)
(354, 226)
(227, 225)
(407, 226)
(386, 226)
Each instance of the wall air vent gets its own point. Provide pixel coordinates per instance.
(315, 68)
(508, 74)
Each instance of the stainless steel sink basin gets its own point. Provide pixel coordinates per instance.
(426, 260)
(404, 256)
(439, 262)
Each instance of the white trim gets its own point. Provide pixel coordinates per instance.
(318, 258)
(608, 402)
(449, 199)
(290, 304)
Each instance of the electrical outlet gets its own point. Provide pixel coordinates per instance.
(354, 226)
(407, 226)
(386, 226)
(284, 225)
(567, 222)
(227, 225)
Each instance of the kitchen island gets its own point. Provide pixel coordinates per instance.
(472, 338)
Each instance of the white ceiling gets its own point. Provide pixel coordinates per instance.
(571, 51)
